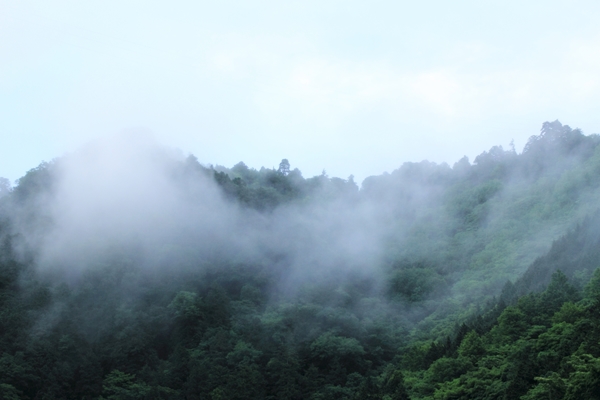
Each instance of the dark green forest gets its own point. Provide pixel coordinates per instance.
(158, 277)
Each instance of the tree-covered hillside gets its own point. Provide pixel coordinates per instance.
(128, 271)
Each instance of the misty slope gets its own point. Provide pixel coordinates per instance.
(130, 271)
(544, 344)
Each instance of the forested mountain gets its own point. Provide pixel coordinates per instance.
(128, 271)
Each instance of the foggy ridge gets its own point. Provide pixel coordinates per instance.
(135, 253)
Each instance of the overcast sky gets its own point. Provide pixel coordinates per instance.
(346, 86)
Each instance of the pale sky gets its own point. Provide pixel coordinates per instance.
(349, 87)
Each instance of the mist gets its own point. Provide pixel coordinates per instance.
(132, 195)
(161, 208)
(156, 266)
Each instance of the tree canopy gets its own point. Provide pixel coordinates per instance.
(479, 280)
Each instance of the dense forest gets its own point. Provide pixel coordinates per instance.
(131, 271)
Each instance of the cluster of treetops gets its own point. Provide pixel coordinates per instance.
(494, 293)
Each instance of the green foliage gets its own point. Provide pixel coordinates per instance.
(550, 387)
(471, 347)
(517, 360)
(8, 392)
(415, 282)
(584, 381)
(120, 386)
(422, 324)
(592, 289)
